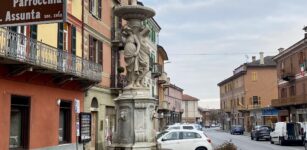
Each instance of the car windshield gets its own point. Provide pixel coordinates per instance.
(174, 128)
(264, 128)
(188, 127)
(161, 134)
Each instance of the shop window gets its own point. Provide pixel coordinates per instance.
(95, 8)
(19, 125)
(65, 122)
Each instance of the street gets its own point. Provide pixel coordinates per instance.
(243, 142)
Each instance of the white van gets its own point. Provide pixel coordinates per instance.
(289, 133)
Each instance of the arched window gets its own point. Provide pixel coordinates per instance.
(94, 103)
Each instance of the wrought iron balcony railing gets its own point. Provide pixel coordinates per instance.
(118, 81)
(20, 48)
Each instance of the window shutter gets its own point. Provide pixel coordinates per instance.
(73, 40)
(99, 9)
(91, 45)
(60, 36)
(91, 5)
(33, 32)
(100, 52)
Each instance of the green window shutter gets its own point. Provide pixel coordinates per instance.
(33, 32)
(73, 40)
(99, 8)
(60, 36)
(100, 52)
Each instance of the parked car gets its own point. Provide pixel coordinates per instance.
(184, 126)
(287, 133)
(184, 140)
(237, 129)
(261, 132)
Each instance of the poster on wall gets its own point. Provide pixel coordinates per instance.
(85, 127)
(27, 12)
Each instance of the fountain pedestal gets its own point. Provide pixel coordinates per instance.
(135, 107)
(135, 113)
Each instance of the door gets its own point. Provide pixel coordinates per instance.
(94, 130)
(22, 41)
(171, 141)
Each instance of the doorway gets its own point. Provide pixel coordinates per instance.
(19, 122)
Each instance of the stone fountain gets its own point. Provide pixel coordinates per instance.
(135, 107)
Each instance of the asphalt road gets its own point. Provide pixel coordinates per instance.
(243, 142)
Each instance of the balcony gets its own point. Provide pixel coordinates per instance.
(116, 37)
(256, 106)
(164, 105)
(156, 70)
(242, 108)
(293, 100)
(118, 82)
(163, 78)
(18, 49)
(288, 76)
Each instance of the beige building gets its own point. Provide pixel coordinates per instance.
(191, 113)
(246, 95)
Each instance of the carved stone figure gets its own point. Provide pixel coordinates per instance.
(136, 54)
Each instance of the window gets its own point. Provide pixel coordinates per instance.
(242, 101)
(172, 136)
(96, 50)
(188, 127)
(301, 58)
(292, 90)
(255, 100)
(19, 125)
(190, 135)
(65, 122)
(254, 76)
(283, 93)
(95, 8)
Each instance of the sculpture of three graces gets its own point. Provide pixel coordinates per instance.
(136, 53)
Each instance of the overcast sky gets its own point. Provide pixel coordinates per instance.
(226, 30)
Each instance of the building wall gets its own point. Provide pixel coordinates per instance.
(190, 113)
(44, 112)
(265, 86)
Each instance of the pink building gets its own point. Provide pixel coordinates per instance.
(173, 95)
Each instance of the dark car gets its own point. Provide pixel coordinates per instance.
(261, 132)
(237, 129)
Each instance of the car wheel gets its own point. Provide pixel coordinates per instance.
(201, 148)
(305, 145)
(272, 142)
(281, 141)
(252, 138)
(257, 138)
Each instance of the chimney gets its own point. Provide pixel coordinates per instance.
(261, 58)
(305, 29)
(280, 49)
(253, 58)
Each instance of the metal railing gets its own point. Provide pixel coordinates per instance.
(119, 81)
(20, 48)
(292, 100)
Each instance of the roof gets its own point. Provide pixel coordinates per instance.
(186, 97)
(175, 87)
(232, 78)
(294, 47)
(268, 62)
(163, 52)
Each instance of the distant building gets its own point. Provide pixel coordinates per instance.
(190, 109)
(292, 80)
(173, 95)
(246, 95)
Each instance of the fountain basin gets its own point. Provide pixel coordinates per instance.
(134, 12)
